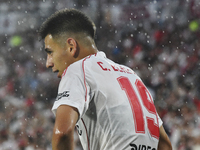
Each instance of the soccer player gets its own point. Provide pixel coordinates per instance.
(107, 102)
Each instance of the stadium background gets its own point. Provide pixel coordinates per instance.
(158, 39)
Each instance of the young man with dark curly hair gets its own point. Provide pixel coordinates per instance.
(107, 102)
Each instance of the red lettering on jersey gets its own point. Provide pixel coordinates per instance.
(134, 102)
(149, 105)
(100, 64)
(115, 69)
(121, 69)
(136, 107)
(129, 71)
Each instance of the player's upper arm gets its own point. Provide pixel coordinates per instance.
(66, 118)
(63, 132)
(164, 142)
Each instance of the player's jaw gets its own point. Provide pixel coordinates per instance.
(58, 71)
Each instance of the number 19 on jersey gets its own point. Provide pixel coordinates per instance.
(137, 108)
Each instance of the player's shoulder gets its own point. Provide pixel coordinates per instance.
(88, 61)
(78, 66)
(94, 57)
(72, 69)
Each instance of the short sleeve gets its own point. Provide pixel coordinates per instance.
(159, 121)
(73, 90)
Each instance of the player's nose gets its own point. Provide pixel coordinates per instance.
(49, 62)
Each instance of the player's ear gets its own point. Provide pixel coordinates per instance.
(72, 47)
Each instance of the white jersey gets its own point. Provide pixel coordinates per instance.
(116, 109)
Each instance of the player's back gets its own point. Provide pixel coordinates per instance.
(120, 113)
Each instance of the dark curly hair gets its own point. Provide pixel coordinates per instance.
(68, 21)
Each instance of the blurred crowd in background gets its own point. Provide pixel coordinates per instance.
(158, 39)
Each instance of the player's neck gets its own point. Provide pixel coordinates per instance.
(86, 51)
(87, 48)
